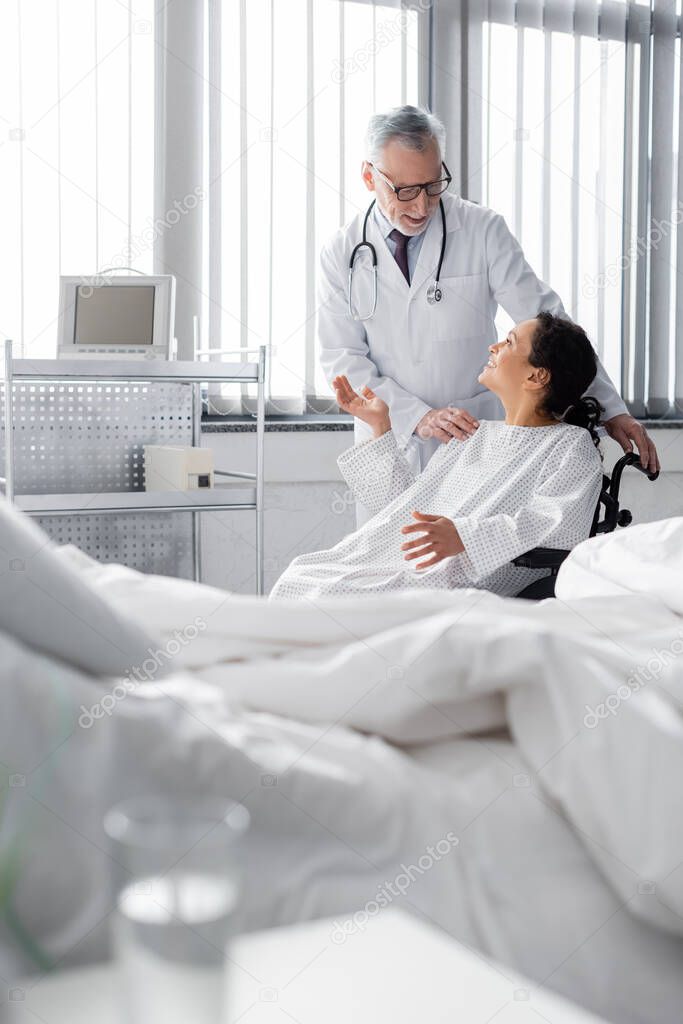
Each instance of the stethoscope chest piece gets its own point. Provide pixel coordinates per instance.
(434, 292)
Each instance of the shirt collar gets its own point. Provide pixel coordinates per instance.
(381, 221)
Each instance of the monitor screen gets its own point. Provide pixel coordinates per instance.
(114, 315)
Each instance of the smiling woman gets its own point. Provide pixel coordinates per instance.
(484, 499)
(550, 353)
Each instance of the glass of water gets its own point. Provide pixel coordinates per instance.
(178, 883)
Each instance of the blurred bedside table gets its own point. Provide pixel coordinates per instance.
(397, 970)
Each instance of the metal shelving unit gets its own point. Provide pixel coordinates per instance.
(243, 491)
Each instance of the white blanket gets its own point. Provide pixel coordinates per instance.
(593, 690)
(253, 694)
(645, 559)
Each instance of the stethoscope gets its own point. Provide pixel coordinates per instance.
(434, 292)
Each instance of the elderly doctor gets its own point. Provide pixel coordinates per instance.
(443, 265)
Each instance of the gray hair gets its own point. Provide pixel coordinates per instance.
(413, 127)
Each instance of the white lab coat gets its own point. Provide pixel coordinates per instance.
(418, 356)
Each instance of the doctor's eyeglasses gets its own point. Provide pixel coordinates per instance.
(408, 192)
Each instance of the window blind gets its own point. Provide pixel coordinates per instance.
(76, 153)
(574, 118)
(290, 88)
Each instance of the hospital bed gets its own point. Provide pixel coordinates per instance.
(349, 729)
(603, 522)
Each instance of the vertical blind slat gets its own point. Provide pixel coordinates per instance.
(98, 264)
(519, 133)
(574, 203)
(129, 167)
(471, 146)
(374, 56)
(22, 261)
(404, 59)
(627, 338)
(502, 11)
(426, 49)
(640, 341)
(59, 135)
(309, 355)
(244, 187)
(529, 13)
(613, 19)
(271, 188)
(587, 18)
(678, 368)
(558, 17)
(342, 114)
(547, 139)
(660, 207)
(601, 191)
(215, 187)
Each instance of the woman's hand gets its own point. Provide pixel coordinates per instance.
(439, 539)
(367, 406)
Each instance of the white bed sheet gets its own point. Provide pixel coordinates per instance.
(538, 901)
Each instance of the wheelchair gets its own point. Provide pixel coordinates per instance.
(603, 522)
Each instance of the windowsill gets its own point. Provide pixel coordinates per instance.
(331, 421)
(673, 424)
(291, 423)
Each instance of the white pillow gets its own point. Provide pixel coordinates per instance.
(46, 604)
(643, 559)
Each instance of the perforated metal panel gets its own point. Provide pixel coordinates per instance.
(73, 437)
(85, 436)
(159, 542)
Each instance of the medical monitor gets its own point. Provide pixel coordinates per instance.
(126, 316)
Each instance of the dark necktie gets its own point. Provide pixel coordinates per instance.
(401, 253)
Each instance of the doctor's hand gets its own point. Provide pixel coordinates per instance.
(627, 431)
(445, 424)
(439, 539)
(367, 406)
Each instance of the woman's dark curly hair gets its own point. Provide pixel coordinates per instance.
(563, 348)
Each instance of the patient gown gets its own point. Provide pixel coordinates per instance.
(506, 488)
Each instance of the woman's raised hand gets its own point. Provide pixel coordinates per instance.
(367, 406)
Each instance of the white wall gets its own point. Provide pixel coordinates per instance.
(309, 508)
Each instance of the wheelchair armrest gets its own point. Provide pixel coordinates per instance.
(541, 558)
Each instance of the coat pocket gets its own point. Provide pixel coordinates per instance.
(465, 310)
